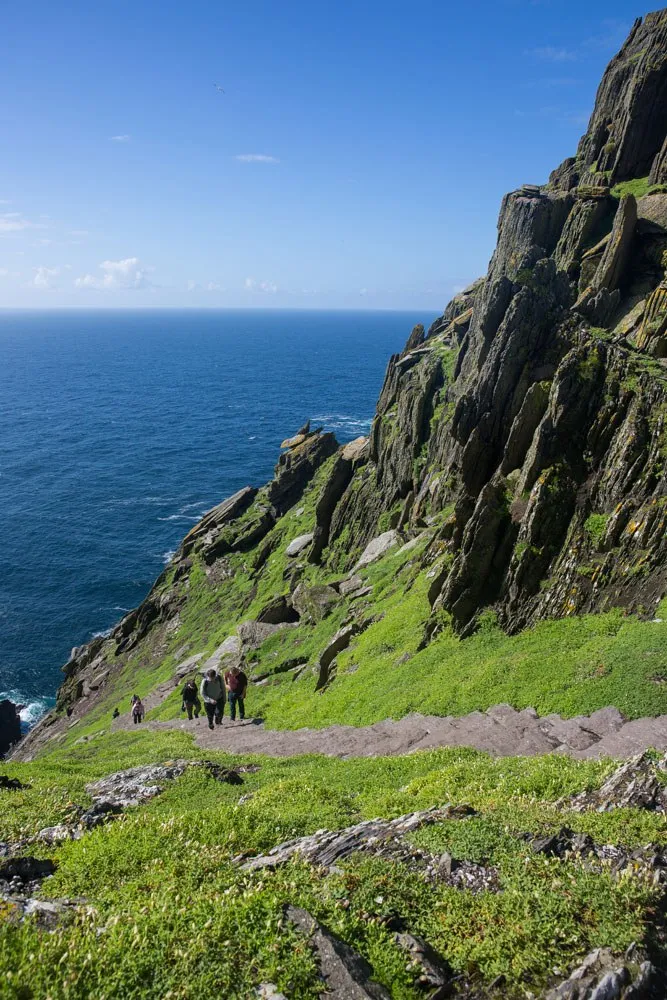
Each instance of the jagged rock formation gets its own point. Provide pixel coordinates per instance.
(527, 428)
(10, 726)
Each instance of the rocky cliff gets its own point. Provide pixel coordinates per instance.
(525, 431)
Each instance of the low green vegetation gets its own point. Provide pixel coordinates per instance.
(638, 187)
(595, 527)
(169, 913)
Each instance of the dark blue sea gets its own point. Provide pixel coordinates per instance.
(119, 429)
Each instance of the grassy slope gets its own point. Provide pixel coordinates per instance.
(172, 916)
(570, 666)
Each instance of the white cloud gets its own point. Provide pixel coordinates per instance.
(256, 158)
(552, 53)
(209, 286)
(128, 274)
(14, 222)
(5, 201)
(44, 276)
(252, 285)
(120, 138)
(78, 232)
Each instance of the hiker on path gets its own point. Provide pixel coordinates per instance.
(137, 711)
(237, 684)
(190, 697)
(213, 693)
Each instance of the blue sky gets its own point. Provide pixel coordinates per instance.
(356, 159)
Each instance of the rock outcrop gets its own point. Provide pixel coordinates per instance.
(10, 726)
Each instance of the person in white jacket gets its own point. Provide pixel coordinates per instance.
(212, 690)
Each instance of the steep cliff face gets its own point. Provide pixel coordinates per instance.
(535, 410)
(525, 433)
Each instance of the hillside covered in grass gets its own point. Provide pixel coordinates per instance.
(499, 539)
(165, 907)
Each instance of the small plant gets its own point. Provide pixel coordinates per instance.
(595, 527)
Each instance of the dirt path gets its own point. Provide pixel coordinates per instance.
(501, 731)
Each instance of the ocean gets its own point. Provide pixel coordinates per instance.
(118, 430)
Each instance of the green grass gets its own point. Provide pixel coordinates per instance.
(570, 666)
(171, 915)
(638, 187)
(595, 527)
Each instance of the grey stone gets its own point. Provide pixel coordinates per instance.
(377, 548)
(347, 976)
(298, 544)
(135, 785)
(349, 585)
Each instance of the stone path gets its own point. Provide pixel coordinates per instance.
(501, 731)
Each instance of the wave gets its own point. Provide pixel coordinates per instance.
(179, 517)
(104, 634)
(344, 422)
(33, 708)
(168, 556)
(134, 501)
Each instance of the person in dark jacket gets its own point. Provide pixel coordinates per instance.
(213, 694)
(137, 711)
(237, 684)
(191, 702)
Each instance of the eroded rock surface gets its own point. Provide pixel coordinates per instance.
(346, 975)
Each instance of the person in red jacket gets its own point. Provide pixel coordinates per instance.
(237, 684)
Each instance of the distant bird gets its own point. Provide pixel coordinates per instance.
(218, 88)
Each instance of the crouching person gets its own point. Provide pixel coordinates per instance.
(191, 702)
(237, 683)
(213, 694)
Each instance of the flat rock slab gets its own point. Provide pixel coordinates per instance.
(325, 847)
(377, 548)
(346, 975)
(502, 731)
(299, 544)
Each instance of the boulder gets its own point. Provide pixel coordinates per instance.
(135, 785)
(377, 548)
(436, 973)
(279, 611)
(297, 545)
(46, 914)
(229, 653)
(187, 666)
(253, 633)
(314, 603)
(349, 585)
(98, 680)
(612, 265)
(10, 726)
(11, 784)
